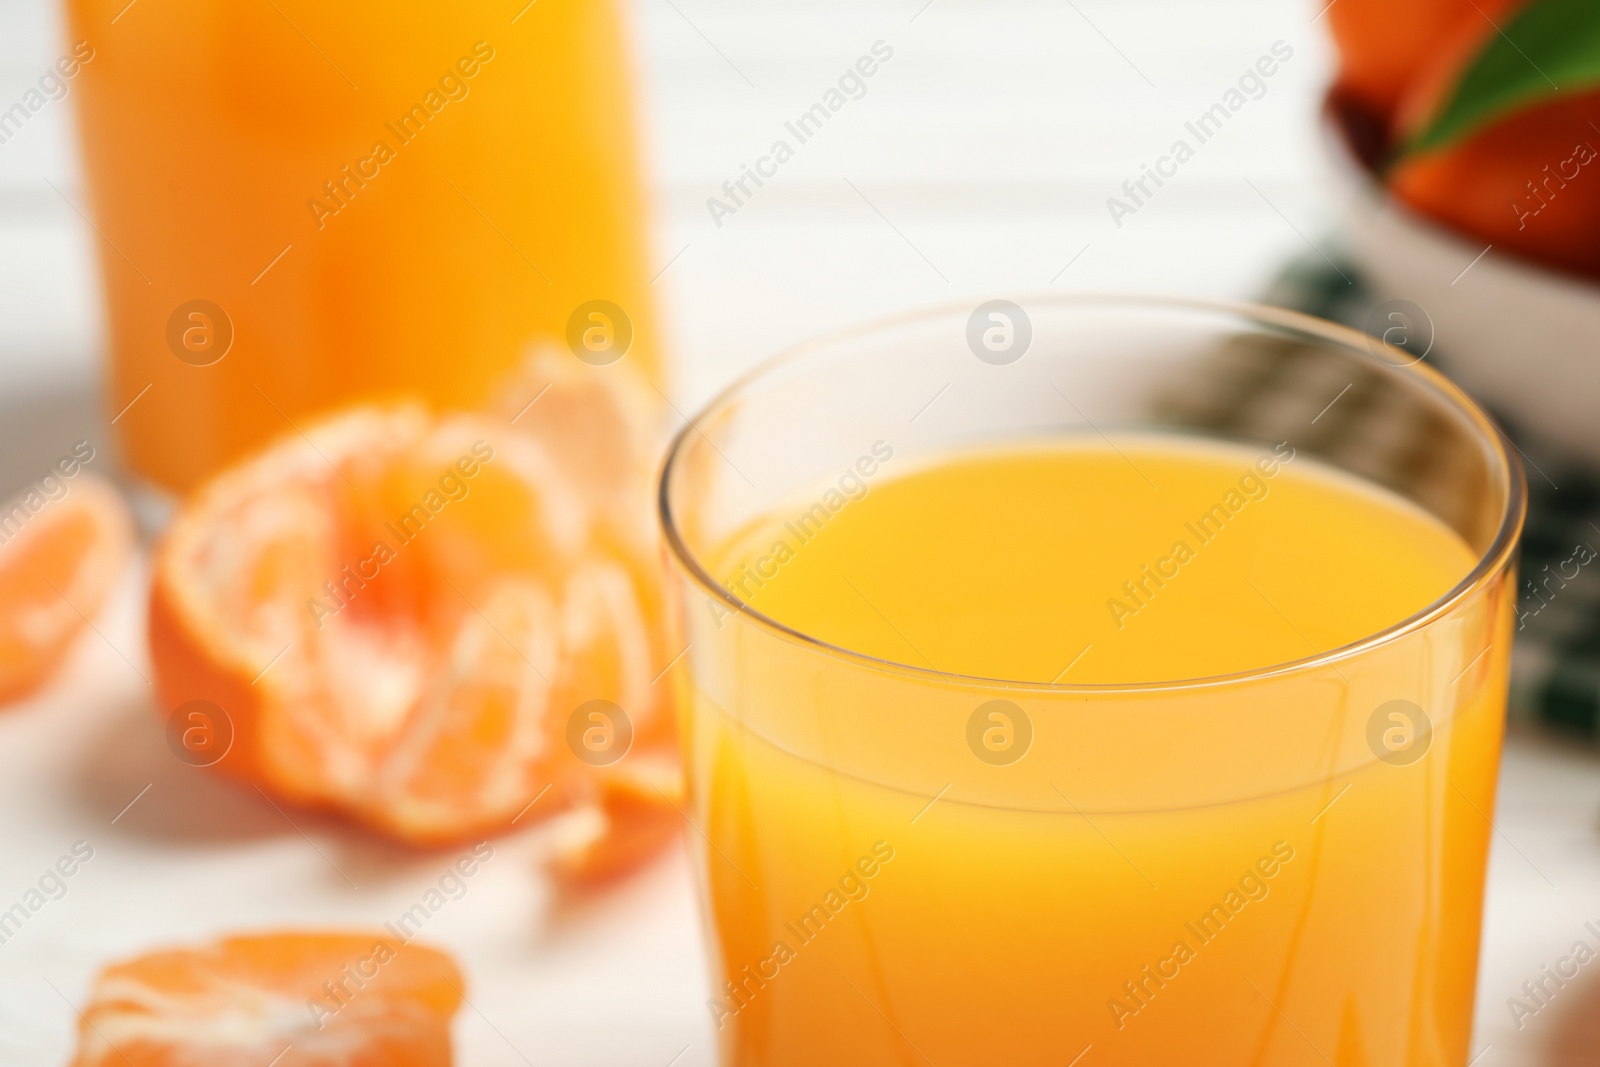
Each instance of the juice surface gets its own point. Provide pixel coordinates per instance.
(1156, 563)
(1225, 874)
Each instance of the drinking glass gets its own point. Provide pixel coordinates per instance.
(906, 866)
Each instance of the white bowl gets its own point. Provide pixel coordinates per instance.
(1523, 338)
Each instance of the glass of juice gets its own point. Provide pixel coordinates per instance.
(1093, 681)
(299, 205)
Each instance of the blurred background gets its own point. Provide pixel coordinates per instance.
(978, 162)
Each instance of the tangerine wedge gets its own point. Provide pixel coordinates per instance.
(599, 420)
(635, 814)
(63, 546)
(288, 999)
(398, 613)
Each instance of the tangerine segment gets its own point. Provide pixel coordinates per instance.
(398, 613)
(602, 421)
(635, 814)
(290, 999)
(61, 554)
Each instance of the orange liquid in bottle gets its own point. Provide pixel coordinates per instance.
(346, 201)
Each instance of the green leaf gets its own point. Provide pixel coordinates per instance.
(1548, 48)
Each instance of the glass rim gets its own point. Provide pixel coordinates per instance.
(1494, 558)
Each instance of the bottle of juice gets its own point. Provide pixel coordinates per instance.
(301, 205)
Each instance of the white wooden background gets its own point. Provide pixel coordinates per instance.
(978, 162)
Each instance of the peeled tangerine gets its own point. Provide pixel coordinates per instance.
(63, 546)
(288, 999)
(398, 613)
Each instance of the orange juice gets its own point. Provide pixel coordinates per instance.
(301, 204)
(1131, 851)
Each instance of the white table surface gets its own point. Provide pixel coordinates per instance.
(979, 162)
